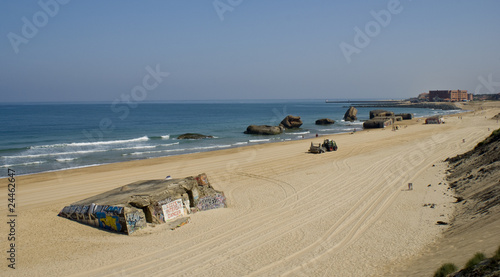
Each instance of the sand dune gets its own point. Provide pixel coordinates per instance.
(345, 213)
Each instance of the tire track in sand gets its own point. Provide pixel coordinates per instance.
(283, 229)
(219, 231)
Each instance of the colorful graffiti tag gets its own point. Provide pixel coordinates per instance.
(109, 222)
(112, 218)
(135, 221)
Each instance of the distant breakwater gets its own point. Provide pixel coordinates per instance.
(440, 106)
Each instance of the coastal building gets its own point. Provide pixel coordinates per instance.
(449, 95)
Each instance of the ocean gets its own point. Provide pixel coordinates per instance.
(48, 137)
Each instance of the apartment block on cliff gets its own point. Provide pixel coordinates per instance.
(449, 95)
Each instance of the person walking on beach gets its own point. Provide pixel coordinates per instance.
(410, 186)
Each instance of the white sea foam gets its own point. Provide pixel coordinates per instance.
(135, 147)
(168, 144)
(145, 152)
(155, 152)
(21, 164)
(348, 123)
(299, 133)
(165, 137)
(54, 154)
(259, 140)
(241, 143)
(351, 122)
(79, 144)
(211, 147)
(65, 159)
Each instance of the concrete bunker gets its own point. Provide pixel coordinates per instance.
(132, 207)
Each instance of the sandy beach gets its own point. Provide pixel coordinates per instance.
(290, 213)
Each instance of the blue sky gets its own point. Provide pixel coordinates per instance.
(101, 50)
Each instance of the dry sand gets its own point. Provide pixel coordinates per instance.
(344, 213)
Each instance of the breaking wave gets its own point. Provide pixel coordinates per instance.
(62, 160)
(259, 140)
(160, 137)
(80, 144)
(53, 154)
(22, 164)
(298, 133)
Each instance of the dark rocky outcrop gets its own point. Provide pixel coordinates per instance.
(290, 122)
(380, 113)
(350, 114)
(487, 267)
(193, 136)
(129, 208)
(264, 130)
(325, 121)
(475, 176)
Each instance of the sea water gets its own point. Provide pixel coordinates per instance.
(47, 137)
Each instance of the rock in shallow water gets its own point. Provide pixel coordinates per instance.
(264, 130)
(193, 136)
(325, 121)
(350, 114)
(290, 122)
